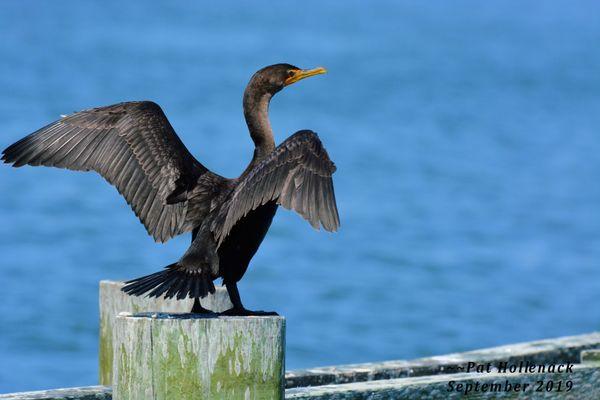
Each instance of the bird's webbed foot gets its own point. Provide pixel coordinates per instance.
(242, 312)
(238, 308)
(198, 309)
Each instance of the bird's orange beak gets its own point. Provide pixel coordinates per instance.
(304, 73)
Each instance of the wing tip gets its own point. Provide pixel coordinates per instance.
(7, 153)
(332, 229)
(11, 159)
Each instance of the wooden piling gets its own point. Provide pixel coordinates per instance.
(113, 301)
(186, 356)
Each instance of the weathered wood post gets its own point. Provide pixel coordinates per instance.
(186, 356)
(113, 301)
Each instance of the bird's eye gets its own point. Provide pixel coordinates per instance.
(291, 73)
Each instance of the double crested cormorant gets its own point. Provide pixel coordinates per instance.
(133, 146)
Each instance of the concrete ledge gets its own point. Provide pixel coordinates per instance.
(590, 356)
(79, 393)
(560, 350)
(585, 381)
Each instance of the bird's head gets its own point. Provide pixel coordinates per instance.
(275, 77)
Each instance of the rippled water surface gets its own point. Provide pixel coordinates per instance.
(467, 140)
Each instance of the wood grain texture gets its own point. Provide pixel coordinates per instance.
(113, 301)
(184, 356)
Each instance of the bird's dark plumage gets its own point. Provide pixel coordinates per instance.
(297, 174)
(133, 146)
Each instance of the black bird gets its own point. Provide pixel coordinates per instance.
(133, 146)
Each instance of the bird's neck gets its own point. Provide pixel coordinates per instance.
(256, 112)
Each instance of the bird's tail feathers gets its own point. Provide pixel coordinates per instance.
(173, 281)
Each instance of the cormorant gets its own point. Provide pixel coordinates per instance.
(133, 146)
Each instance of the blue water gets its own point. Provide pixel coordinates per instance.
(467, 140)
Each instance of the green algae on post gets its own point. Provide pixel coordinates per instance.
(167, 356)
(113, 301)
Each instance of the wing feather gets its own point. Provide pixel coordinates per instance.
(134, 147)
(297, 175)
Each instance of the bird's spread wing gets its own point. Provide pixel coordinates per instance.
(133, 146)
(297, 175)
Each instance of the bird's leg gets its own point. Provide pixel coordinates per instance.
(198, 309)
(238, 308)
